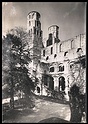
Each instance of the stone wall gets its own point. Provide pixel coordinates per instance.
(65, 49)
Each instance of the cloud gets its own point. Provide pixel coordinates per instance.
(13, 11)
(72, 10)
(8, 7)
(6, 4)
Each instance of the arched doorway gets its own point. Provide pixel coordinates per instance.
(38, 89)
(61, 83)
(48, 81)
(51, 83)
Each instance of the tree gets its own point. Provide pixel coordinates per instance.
(77, 91)
(5, 67)
(15, 58)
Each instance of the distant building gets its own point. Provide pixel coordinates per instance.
(53, 59)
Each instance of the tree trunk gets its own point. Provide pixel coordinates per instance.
(12, 102)
(12, 95)
(76, 111)
(76, 114)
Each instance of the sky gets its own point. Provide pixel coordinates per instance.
(69, 16)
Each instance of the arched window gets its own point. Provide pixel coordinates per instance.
(52, 69)
(43, 52)
(51, 50)
(60, 47)
(49, 41)
(29, 32)
(32, 15)
(55, 55)
(29, 23)
(65, 54)
(37, 23)
(47, 57)
(72, 44)
(71, 66)
(34, 30)
(40, 33)
(79, 51)
(37, 32)
(38, 89)
(29, 16)
(61, 67)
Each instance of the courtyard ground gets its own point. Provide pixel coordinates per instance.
(45, 110)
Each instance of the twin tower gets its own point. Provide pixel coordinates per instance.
(35, 33)
(34, 27)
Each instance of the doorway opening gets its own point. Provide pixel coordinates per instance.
(38, 89)
(61, 83)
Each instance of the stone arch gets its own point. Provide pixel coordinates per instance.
(79, 49)
(79, 52)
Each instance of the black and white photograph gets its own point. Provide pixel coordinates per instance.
(44, 62)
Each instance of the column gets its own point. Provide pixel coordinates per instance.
(56, 83)
(66, 89)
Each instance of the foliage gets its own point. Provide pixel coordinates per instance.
(77, 92)
(15, 59)
(77, 104)
(78, 74)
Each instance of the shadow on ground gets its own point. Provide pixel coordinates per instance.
(54, 120)
(16, 113)
(22, 107)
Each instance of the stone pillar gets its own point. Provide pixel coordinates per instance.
(56, 83)
(66, 95)
(66, 90)
(44, 91)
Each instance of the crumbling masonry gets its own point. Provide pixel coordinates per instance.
(53, 59)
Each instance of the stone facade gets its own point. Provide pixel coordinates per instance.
(53, 58)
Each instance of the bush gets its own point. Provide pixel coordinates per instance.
(77, 104)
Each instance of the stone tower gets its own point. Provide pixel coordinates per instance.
(54, 29)
(35, 37)
(53, 32)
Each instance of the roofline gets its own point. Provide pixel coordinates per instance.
(73, 37)
(52, 26)
(34, 12)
